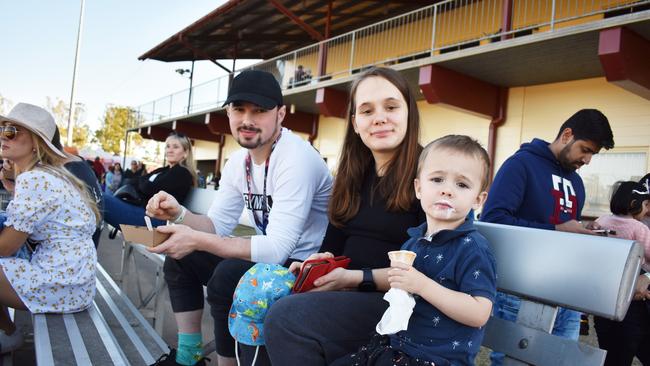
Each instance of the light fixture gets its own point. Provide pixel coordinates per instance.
(183, 71)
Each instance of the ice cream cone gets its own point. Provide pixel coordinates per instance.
(403, 256)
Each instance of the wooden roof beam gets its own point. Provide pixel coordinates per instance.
(306, 27)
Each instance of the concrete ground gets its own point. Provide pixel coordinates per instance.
(109, 253)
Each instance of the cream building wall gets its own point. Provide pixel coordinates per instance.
(205, 150)
(539, 111)
(533, 111)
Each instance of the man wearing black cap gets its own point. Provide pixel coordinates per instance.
(284, 186)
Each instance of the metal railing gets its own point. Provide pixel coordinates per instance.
(445, 27)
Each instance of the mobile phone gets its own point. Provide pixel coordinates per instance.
(604, 231)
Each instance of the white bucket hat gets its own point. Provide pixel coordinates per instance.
(35, 119)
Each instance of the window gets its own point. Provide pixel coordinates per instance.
(606, 169)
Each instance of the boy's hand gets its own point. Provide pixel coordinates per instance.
(407, 278)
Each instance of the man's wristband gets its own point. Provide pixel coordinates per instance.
(647, 274)
(181, 216)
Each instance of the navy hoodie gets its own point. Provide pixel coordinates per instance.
(532, 189)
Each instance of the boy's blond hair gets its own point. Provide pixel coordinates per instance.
(462, 144)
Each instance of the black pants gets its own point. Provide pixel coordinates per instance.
(187, 276)
(316, 328)
(626, 339)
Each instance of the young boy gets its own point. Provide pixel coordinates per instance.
(454, 273)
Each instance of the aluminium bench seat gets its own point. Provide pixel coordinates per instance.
(547, 268)
(110, 332)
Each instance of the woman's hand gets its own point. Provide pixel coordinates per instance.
(407, 278)
(163, 206)
(296, 267)
(338, 279)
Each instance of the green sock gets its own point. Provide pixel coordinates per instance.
(190, 348)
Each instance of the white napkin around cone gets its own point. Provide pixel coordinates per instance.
(396, 317)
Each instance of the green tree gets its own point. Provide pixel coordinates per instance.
(115, 122)
(60, 111)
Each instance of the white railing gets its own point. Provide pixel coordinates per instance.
(445, 27)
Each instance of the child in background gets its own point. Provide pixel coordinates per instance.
(631, 337)
(454, 273)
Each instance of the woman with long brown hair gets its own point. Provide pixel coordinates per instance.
(373, 203)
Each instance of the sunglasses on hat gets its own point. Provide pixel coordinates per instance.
(9, 132)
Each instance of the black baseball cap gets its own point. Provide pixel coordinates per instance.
(257, 87)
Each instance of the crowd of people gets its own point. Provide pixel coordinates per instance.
(389, 193)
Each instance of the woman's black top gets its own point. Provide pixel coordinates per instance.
(374, 231)
(176, 181)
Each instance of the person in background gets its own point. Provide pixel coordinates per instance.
(53, 212)
(539, 187)
(142, 169)
(201, 179)
(99, 169)
(631, 337)
(116, 181)
(645, 183)
(373, 204)
(130, 175)
(176, 178)
(108, 178)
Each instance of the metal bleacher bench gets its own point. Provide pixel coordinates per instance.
(198, 201)
(110, 332)
(592, 274)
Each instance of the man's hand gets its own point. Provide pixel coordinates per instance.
(296, 267)
(573, 226)
(163, 206)
(641, 290)
(407, 278)
(181, 242)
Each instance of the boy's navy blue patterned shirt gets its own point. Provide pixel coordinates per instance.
(460, 260)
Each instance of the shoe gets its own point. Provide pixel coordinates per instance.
(113, 233)
(10, 343)
(584, 325)
(169, 359)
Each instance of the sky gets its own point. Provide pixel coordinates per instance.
(38, 50)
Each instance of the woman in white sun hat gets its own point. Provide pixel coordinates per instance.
(52, 212)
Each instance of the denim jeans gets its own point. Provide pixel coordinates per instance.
(567, 322)
(118, 212)
(22, 252)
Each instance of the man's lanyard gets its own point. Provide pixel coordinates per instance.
(249, 183)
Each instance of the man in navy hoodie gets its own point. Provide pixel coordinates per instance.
(538, 187)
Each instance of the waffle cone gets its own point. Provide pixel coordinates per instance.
(403, 256)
